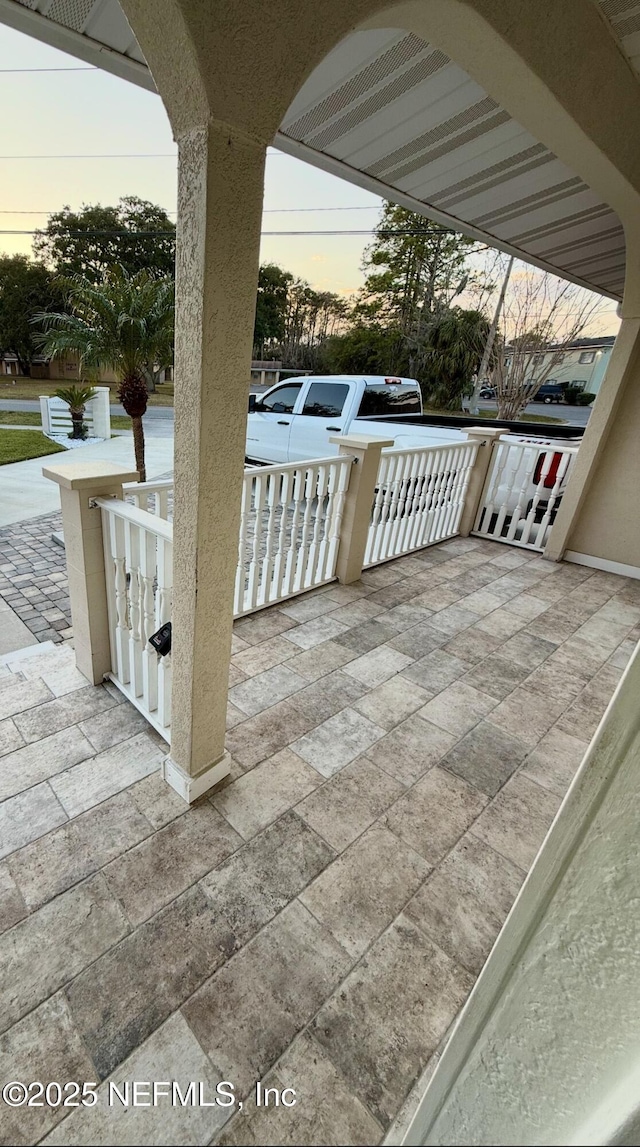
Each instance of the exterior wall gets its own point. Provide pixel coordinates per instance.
(608, 526)
(546, 1050)
(571, 370)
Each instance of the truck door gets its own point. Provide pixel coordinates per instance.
(324, 413)
(269, 425)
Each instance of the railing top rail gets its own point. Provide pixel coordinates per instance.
(469, 443)
(148, 487)
(307, 464)
(537, 444)
(137, 517)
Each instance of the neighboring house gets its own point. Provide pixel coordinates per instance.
(581, 363)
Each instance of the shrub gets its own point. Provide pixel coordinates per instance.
(571, 394)
(584, 399)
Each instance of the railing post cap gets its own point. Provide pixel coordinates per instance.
(97, 475)
(485, 431)
(360, 441)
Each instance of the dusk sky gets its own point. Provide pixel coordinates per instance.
(87, 113)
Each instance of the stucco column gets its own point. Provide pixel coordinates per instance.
(220, 188)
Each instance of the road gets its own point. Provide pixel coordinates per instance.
(159, 419)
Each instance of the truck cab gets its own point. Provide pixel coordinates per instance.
(296, 419)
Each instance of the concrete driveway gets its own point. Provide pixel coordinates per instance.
(27, 494)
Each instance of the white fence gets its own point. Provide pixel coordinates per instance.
(290, 535)
(154, 497)
(419, 498)
(525, 483)
(138, 554)
(56, 417)
(289, 530)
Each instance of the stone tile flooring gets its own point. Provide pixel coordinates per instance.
(400, 748)
(33, 577)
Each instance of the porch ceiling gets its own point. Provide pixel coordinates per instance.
(392, 113)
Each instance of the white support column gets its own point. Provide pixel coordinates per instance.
(359, 498)
(101, 412)
(485, 436)
(220, 190)
(80, 483)
(44, 414)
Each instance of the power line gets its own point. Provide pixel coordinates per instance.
(123, 155)
(14, 71)
(166, 234)
(267, 210)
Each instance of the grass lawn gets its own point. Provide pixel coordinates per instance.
(18, 445)
(484, 414)
(32, 418)
(34, 387)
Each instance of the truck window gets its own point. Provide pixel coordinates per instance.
(282, 400)
(384, 399)
(325, 399)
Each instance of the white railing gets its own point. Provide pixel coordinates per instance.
(57, 421)
(289, 530)
(523, 489)
(419, 498)
(154, 497)
(138, 553)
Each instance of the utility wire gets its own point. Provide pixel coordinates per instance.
(171, 234)
(267, 210)
(14, 71)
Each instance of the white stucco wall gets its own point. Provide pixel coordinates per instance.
(548, 1049)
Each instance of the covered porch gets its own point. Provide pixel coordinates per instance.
(398, 745)
(399, 749)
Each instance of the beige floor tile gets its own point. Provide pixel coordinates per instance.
(265, 689)
(42, 953)
(402, 995)
(457, 708)
(171, 1053)
(435, 671)
(486, 757)
(246, 1015)
(392, 702)
(256, 799)
(183, 851)
(12, 906)
(259, 658)
(312, 633)
(325, 1110)
(555, 761)
(263, 877)
(322, 659)
(435, 813)
(37, 762)
(411, 748)
(350, 802)
(23, 696)
(526, 715)
(338, 741)
(463, 905)
(10, 737)
(92, 781)
(104, 731)
(358, 895)
(50, 717)
(43, 1046)
(379, 665)
(517, 820)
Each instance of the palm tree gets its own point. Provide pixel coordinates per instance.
(124, 324)
(76, 398)
(453, 352)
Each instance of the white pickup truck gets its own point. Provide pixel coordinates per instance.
(295, 420)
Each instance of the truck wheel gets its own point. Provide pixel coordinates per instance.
(547, 399)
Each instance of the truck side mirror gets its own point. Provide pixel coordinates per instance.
(253, 401)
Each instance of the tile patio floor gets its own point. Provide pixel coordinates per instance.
(400, 748)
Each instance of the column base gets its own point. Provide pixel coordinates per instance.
(190, 788)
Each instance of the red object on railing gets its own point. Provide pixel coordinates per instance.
(551, 476)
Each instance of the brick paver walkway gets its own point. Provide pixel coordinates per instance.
(33, 577)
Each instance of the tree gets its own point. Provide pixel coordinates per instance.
(76, 398)
(454, 350)
(271, 306)
(126, 325)
(541, 316)
(136, 235)
(415, 268)
(26, 287)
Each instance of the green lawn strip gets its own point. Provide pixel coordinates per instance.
(18, 445)
(32, 418)
(32, 389)
(490, 414)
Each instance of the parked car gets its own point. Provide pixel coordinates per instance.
(487, 391)
(549, 392)
(296, 420)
